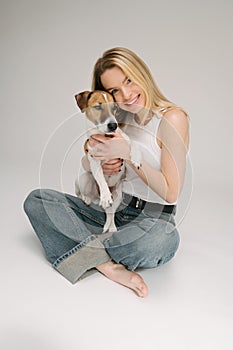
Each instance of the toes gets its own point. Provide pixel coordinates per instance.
(139, 286)
(142, 291)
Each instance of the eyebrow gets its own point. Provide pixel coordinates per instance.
(121, 83)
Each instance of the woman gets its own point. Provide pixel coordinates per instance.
(70, 231)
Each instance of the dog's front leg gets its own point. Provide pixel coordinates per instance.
(110, 212)
(135, 153)
(110, 222)
(105, 194)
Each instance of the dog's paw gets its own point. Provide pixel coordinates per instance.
(106, 201)
(135, 155)
(87, 200)
(111, 228)
(136, 164)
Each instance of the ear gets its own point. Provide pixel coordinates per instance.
(82, 99)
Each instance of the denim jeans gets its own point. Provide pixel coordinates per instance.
(71, 234)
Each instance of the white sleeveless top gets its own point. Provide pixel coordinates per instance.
(145, 137)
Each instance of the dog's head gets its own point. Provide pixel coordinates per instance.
(100, 108)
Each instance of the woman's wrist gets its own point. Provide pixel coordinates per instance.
(126, 152)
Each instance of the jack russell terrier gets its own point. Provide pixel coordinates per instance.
(106, 190)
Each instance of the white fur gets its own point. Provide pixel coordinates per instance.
(86, 188)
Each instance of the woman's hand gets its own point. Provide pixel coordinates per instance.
(112, 166)
(107, 148)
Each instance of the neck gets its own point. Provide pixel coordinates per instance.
(143, 117)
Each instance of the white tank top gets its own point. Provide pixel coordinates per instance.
(145, 137)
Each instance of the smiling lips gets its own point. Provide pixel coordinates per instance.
(133, 102)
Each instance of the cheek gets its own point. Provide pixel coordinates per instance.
(118, 98)
(142, 97)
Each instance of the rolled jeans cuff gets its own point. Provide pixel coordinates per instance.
(80, 260)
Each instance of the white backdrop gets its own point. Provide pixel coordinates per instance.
(48, 49)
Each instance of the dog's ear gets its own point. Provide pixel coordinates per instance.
(82, 99)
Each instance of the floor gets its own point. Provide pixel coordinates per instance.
(48, 49)
(189, 306)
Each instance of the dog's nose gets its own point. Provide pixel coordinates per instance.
(112, 126)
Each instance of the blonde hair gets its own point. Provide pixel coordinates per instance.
(135, 69)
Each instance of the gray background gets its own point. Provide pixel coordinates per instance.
(48, 49)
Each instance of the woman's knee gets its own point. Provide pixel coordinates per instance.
(36, 198)
(157, 254)
(147, 251)
(30, 201)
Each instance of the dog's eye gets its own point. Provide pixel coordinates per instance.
(98, 107)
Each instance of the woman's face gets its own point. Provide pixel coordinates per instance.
(127, 94)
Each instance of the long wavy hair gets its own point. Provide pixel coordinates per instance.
(134, 68)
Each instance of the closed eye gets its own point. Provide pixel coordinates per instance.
(114, 91)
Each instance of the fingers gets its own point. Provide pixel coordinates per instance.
(109, 149)
(112, 167)
(95, 139)
(98, 138)
(115, 161)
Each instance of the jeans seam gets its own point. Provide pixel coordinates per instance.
(73, 250)
(71, 214)
(83, 212)
(94, 218)
(74, 217)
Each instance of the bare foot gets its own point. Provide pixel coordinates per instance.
(118, 273)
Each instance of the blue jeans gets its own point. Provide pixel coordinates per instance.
(71, 234)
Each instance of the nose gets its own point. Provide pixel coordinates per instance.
(126, 93)
(112, 126)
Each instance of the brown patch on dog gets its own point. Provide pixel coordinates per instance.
(97, 104)
(87, 99)
(82, 99)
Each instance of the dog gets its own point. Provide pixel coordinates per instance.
(106, 190)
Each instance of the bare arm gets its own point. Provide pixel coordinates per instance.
(173, 137)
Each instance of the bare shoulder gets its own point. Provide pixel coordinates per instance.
(177, 117)
(179, 121)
